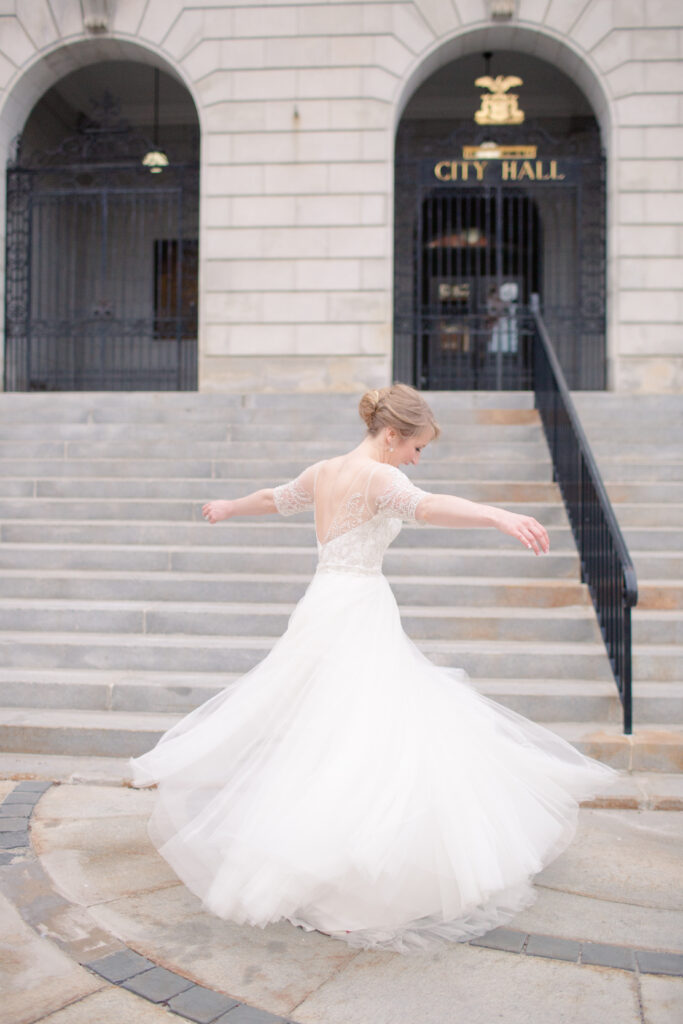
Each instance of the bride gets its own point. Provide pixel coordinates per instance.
(346, 783)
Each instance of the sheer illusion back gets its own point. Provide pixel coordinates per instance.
(359, 506)
(341, 497)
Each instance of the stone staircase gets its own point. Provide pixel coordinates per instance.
(120, 609)
(638, 443)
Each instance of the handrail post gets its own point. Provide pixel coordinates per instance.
(627, 670)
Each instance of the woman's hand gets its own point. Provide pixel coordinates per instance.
(525, 529)
(214, 511)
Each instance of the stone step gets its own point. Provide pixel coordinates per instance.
(615, 471)
(180, 692)
(657, 627)
(547, 700)
(606, 446)
(648, 514)
(576, 623)
(244, 559)
(121, 733)
(208, 403)
(470, 591)
(254, 427)
(239, 531)
(210, 409)
(645, 493)
(169, 447)
(151, 406)
(657, 747)
(654, 538)
(179, 495)
(335, 432)
(658, 564)
(261, 470)
(647, 431)
(658, 662)
(201, 653)
(664, 595)
(111, 690)
(87, 770)
(637, 428)
(140, 509)
(64, 431)
(637, 791)
(172, 456)
(601, 406)
(78, 733)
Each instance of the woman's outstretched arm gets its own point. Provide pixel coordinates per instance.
(294, 496)
(259, 503)
(448, 510)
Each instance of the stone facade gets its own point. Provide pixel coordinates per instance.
(298, 105)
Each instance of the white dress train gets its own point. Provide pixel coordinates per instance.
(349, 785)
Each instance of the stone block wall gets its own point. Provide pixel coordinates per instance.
(298, 104)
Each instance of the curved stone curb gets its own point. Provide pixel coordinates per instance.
(158, 985)
(27, 885)
(601, 954)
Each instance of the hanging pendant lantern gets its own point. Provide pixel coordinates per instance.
(155, 159)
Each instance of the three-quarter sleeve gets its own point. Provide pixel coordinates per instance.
(398, 497)
(296, 495)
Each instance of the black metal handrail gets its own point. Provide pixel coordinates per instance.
(606, 565)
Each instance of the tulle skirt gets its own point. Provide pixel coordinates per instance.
(349, 785)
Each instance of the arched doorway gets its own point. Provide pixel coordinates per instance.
(492, 219)
(101, 272)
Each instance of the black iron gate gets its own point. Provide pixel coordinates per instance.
(481, 238)
(101, 269)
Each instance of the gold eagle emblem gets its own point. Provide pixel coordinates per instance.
(496, 106)
(499, 84)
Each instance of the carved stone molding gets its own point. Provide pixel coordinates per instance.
(96, 14)
(502, 10)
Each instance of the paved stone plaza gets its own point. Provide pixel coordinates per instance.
(96, 928)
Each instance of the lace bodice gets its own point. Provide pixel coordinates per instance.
(363, 523)
(359, 550)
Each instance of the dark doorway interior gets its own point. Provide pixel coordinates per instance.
(101, 288)
(480, 262)
(477, 244)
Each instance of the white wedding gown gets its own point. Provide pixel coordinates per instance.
(349, 785)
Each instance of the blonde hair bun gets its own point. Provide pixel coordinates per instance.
(397, 406)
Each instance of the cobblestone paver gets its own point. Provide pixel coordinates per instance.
(120, 966)
(158, 985)
(553, 947)
(202, 1005)
(608, 956)
(659, 963)
(502, 938)
(182, 996)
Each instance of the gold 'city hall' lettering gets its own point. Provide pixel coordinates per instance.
(510, 170)
(459, 170)
(516, 170)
